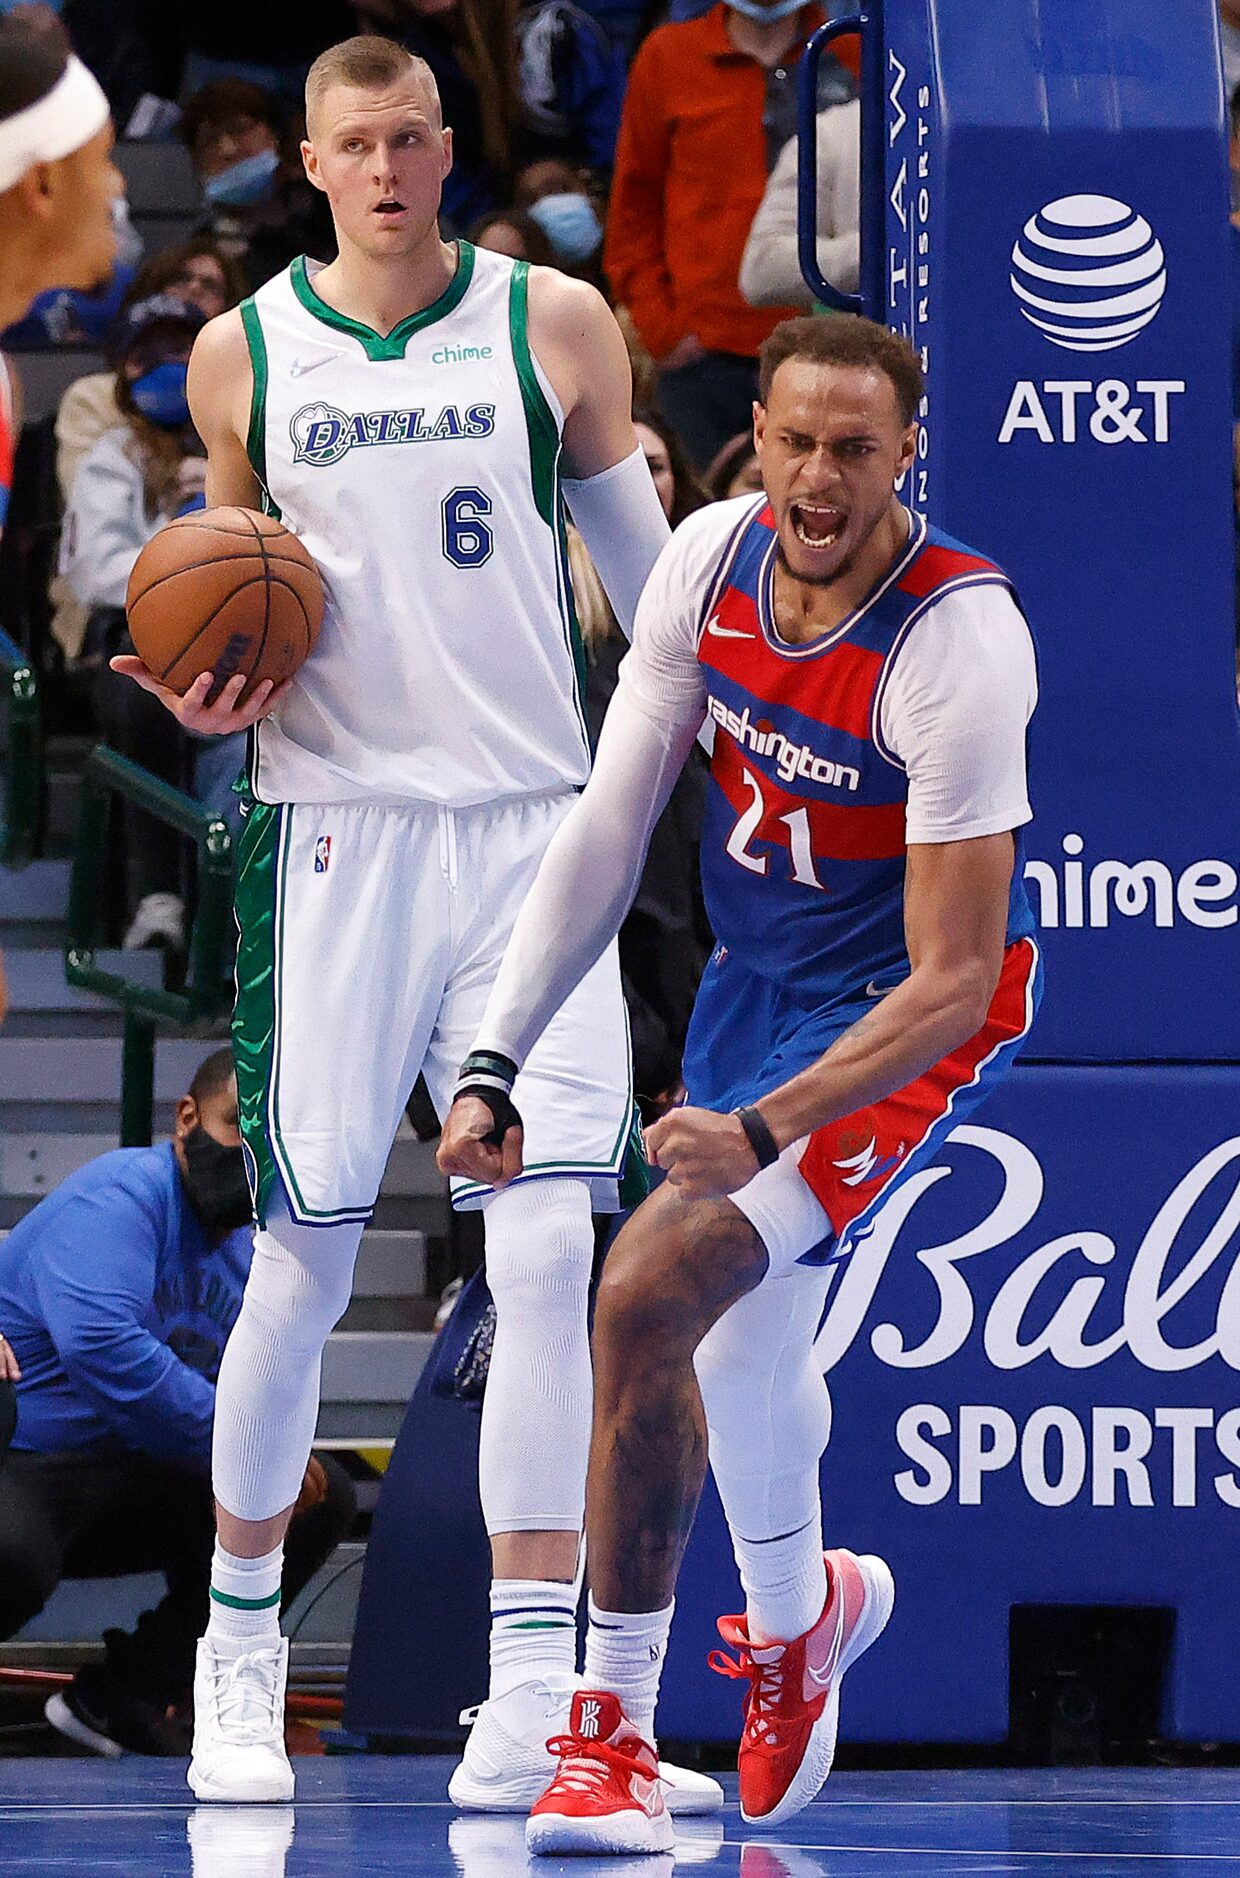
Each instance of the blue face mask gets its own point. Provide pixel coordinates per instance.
(779, 10)
(244, 183)
(570, 224)
(160, 395)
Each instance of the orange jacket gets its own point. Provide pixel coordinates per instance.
(691, 166)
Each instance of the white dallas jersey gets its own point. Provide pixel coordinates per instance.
(421, 472)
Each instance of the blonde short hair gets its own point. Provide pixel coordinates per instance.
(369, 62)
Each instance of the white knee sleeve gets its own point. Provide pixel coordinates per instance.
(535, 1438)
(768, 1410)
(267, 1398)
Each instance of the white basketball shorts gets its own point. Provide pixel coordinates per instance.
(369, 939)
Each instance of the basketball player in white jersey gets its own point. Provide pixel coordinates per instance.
(409, 411)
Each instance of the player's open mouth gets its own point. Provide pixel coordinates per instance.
(817, 525)
(389, 207)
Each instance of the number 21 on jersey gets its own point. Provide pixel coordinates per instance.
(797, 824)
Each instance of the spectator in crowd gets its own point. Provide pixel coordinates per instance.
(562, 201)
(261, 209)
(515, 233)
(117, 1294)
(735, 470)
(138, 475)
(770, 267)
(710, 103)
(572, 79)
(469, 47)
(66, 316)
(197, 273)
(665, 940)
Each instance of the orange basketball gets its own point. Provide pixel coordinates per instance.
(224, 591)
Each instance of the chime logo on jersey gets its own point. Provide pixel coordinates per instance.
(322, 854)
(322, 434)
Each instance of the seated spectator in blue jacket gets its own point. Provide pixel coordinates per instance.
(117, 1294)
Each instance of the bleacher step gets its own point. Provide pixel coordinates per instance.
(373, 1366)
(42, 1003)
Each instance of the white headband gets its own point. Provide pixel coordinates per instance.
(70, 114)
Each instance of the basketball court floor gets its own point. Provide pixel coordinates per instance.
(367, 1816)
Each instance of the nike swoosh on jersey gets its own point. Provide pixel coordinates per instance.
(880, 991)
(300, 367)
(717, 631)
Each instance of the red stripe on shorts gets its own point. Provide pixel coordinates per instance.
(848, 1163)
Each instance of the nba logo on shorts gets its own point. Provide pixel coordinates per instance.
(322, 853)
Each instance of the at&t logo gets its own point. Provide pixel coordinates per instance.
(1089, 273)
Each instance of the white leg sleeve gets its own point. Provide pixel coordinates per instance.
(535, 1438)
(267, 1398)
(768, 1410)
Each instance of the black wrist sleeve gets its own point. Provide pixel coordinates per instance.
(490, 1077)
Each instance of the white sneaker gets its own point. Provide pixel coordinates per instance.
(159, 920)
(506, 1766)
(239, 1724)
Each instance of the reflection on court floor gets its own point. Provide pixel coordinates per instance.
(370, 1817)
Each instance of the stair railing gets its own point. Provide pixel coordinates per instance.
(208, 993)
(24, 801)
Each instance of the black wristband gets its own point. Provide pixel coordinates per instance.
(759, 1136)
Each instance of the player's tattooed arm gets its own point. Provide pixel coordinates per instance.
(955, 919)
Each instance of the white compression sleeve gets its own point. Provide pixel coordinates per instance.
(267, 1397)
(589, 874)
(622, 523)
(535, 1435)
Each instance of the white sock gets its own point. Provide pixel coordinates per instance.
(785, 1582)
(245, 1598)
(624, 1655)
(533, 1632)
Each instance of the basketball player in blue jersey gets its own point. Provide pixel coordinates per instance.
(410, 411)
(869, 682)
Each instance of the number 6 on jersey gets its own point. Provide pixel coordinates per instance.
(467, 541)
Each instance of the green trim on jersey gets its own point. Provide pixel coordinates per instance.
(254, 1015)
(540, 424)
(256, 437)
(544, 436)
(380, 346)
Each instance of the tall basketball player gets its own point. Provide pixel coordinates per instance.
(410, 411)
(870, 683)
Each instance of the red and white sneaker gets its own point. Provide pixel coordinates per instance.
(606, 1795)
(793, 1705)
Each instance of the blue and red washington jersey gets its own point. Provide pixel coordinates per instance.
(803, 842)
